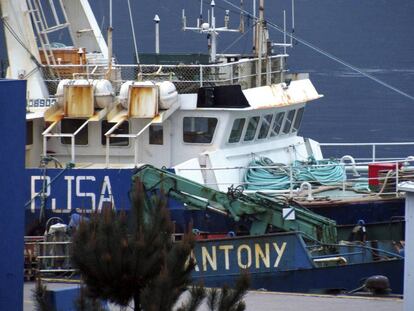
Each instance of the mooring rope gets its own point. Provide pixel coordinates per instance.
(263, 173)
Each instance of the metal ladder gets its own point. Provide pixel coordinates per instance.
(42, 27)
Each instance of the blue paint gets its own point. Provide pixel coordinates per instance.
(74, 190)
(370, 212)
(264, 254)
(78, 190)
(275, 262)
(295, 271)
(64, 299)
(12, 126)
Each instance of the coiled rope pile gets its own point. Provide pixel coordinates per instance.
(263, 173)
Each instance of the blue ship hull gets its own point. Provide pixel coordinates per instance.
(377, 210)
(89, 190)
(331, 280)
(282, 262)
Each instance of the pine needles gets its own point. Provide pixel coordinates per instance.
(122, 259)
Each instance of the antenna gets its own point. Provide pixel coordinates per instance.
(184, 20)
(293, 22)
(254, 26)
(110, 13)
(133, 32)
(109, 72)
(285, 44)
(200, 19)
(284, 31)
(241, 26)
(210, 28)
(157, 34)
(226, 19)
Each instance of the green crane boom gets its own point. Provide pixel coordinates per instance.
(262, 210)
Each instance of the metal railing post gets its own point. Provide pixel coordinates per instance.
(136, 150)
(281, 69)
(44, 145)
(107, 152)
(268, 71)
(396, 176)
(373, 152)
(344, 179)
(72, 142)
(201, 75)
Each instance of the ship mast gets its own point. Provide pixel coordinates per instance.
(260, 45)
(210, 28)
(110, 29)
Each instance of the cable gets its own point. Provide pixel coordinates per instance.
(32, 57)
(45, 186)
(20, 41)
(235, 41)
(325, 53)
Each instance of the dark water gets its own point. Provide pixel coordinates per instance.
(374, 35)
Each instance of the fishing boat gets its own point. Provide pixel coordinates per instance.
(223, 121)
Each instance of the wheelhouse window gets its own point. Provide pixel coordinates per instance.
(156, 134)
(251, 128)
(198, 130)
(298, 119)
(277, 124)
(264, 128)
(237, 130)
(288, 122)
(115, 141)
(70, 126)
(29, 133)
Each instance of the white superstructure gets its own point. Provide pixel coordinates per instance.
(208, 120)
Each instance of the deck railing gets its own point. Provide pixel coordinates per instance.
(372, 148)
(187, 78)
(357, 178)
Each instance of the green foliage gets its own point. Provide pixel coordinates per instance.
(228, 299)
(121, 259)
(85, 303)
(224, 299)
(163, 292)
(39, 296)
(124, 259)
(197, 294)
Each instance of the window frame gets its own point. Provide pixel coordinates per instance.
(70, 143)
(149, 134)
(29, 132)
(255, 130)
(282, 122)
(263, 119)
(302, 111)
(287, 120)
(200, 117)
(241, 132)
(115, 146)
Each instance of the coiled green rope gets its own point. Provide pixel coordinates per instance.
(263, 173)
(272, 176)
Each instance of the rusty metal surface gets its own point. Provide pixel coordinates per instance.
(54, 114)
(143, 101)
(78, 101)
